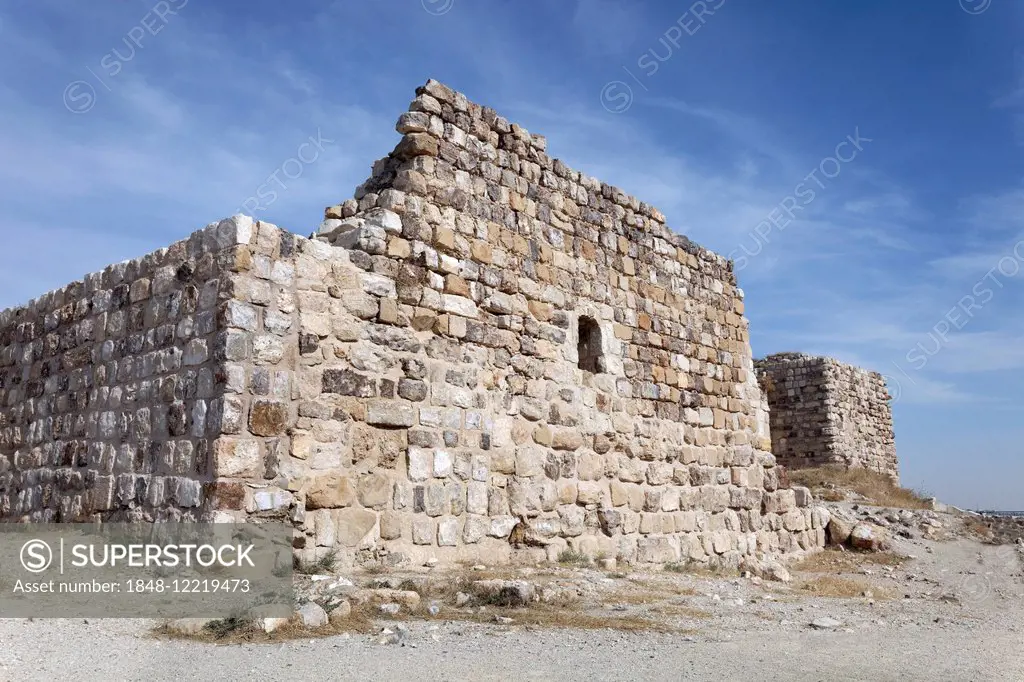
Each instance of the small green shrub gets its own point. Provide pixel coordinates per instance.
(325, 564)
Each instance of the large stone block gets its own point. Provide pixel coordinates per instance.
(390, 525)
(477, 498)
(529, 462)
(448, 532)
(268, 418)
(390, 413)
(421, 463)
(237, 458)
(374, 489)
(423, 530)
(329, 491)
(348, 382)
(656, 550)
(353, 525)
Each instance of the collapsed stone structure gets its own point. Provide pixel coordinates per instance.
(1005, 529)
(827, 412)
(482, 337)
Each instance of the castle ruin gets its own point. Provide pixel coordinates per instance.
(824, 412)
(482, 337)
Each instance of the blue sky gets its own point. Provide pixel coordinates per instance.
(127, 124)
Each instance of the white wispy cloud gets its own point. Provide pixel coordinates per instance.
(155, 160)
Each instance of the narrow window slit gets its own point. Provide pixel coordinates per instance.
(589, 346)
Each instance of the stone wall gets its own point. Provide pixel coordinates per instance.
(109, 390)
(407, 384)
(482, 254)
(827, 412)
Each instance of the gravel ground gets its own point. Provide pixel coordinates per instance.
(957, 613)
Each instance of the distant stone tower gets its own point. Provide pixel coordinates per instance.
(825, 412)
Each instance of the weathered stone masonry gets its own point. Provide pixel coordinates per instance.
(411, 381)
(827, 412)
(108, 390)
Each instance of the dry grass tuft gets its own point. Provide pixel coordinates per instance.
(877, 488)
(444, 587)
(544, 615)
(570, 557)
(845, 588)
(681, 610)
(556, 615)
(325, 565)
(700, 570)
(648, 592)
(979, 530)
(835, 561)
(236, 631)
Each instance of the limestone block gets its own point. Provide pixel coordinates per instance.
(475, 529)
(477, 501)
(388, 220)
(390, 413)
(435, 500)
(780, 501)
(448, 532)
(567, 439)
(329, 491)
(423, 530)
(237, 458)
(348, 382)
(442, 463)
(611, 521)
(657, 550)
(529, 462)
(572, 521)
(722, 541)
(479, 468)
(353, 525)
(390, 525)
(591, 493)
(502, 526)
(619, 493)
(459, 305)
(374, 489)
(568, 492)
(416, 144)
(325, 530)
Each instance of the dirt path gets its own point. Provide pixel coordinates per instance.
(960, 617)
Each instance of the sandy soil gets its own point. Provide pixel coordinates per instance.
(953, 612)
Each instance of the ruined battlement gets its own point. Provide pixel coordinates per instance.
(480, 338)
(827, 412)
(1005, 529)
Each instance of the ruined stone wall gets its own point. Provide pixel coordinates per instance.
(407, 383)
(108, 390)
(451, 384)
(1005, 529)
(826, 412)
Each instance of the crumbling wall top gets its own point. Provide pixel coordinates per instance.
(490, 136)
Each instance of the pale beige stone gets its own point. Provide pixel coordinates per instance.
(330, 490)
